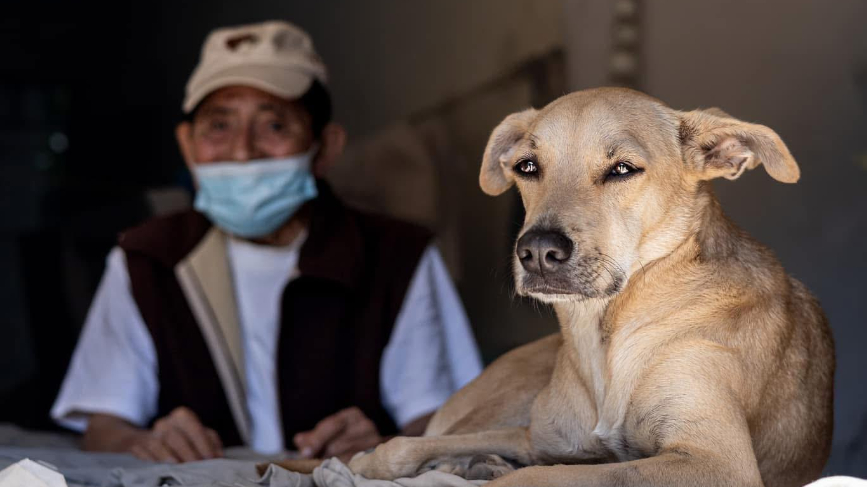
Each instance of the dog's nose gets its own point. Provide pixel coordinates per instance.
(543, 251)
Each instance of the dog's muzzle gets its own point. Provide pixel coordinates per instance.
(553, 266)
(543, 252)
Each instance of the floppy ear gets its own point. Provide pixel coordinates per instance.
(715, 144)
(495, 177)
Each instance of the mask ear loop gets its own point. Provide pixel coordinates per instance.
(313, 151)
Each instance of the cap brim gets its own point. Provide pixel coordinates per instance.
(279, 81)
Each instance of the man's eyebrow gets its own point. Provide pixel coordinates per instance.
(271, 107)
(216, 110)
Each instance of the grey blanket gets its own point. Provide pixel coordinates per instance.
(83, 469)
(87, 469)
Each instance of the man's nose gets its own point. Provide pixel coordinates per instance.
(244, 149)
(543, 251)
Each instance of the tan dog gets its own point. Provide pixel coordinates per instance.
(686, 355)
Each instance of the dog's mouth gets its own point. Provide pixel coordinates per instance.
(574, 285)
(560, 293)
(552, 266)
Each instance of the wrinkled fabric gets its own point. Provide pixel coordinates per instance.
(279, 477)
(79, 468)
(89, 469)
(208, 473)
(334, 473)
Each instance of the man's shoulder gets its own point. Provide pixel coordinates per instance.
(168, 238)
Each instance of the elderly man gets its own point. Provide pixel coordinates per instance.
(273, 315)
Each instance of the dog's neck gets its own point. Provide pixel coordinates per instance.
(688, 212)
(586, 325)
(718, 236)
(586, 348)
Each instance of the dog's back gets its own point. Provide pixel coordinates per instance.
(792, 429)
(781, 331)
(782, 339)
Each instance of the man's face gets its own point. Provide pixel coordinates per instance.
(240, 123)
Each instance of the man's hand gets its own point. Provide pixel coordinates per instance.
(340, 435)
(178, 437)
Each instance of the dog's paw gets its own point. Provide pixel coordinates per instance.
(475, 467)
(488, 467)
(388, 461)
(454, 466)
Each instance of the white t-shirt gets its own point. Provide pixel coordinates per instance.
(430, 354)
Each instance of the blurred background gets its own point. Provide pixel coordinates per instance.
(90, 95)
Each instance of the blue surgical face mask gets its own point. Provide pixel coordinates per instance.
(252, 199)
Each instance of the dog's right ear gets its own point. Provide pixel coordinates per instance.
(495, 177)
(716, 144)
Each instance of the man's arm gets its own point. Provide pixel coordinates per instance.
(348, 432)
(113, 367)
(430, 354)
(111, 384)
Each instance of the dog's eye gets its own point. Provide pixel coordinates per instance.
(621, 169)
(526, 166)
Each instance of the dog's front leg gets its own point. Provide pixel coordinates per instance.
(688, 414)
(672, 468)
(405, 456)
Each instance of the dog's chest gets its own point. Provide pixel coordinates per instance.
(631, 350)
(587, 435)
(591, 396)
(572, 429)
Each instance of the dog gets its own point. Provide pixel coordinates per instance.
(686, 355)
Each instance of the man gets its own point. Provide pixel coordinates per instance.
(273, 316)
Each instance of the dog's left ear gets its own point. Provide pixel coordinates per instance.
(495, 178)
(715, 144)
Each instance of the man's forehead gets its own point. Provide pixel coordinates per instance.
(233, 98)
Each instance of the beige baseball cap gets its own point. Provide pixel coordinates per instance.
(274, 56)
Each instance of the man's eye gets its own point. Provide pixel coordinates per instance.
(218, 125)
(276, 126)
(526, 166)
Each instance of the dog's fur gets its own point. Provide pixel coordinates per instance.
(686, 354)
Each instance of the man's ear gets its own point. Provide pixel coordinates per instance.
(184, 136)
(715, 144)
(333, 141)
(495, 177)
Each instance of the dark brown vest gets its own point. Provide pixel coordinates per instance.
(336, 317)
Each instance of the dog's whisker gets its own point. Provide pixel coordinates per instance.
(643, 272)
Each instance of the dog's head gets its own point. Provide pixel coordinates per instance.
(611, 179)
